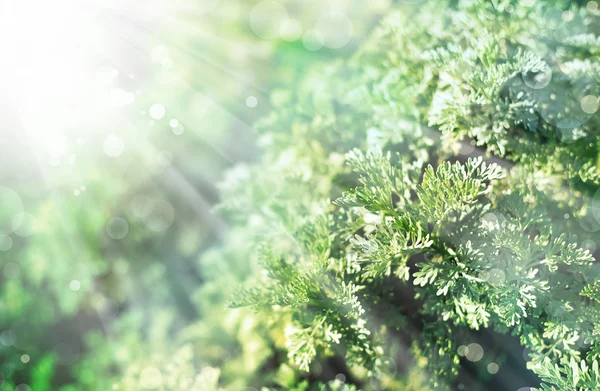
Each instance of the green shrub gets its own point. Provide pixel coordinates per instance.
(375, 215)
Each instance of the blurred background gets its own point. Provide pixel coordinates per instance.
(118, 120)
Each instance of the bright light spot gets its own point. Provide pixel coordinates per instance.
(493, 368)
(117, 228)
(113, 145)
(157, 111)
(22, 387)
(159, 54)
(119, 97)
(151, 378)
(209, 373)
(592, 6)
(527, 3)
(474, 352)
(589, 104)
(75, 285)
(173, 123)
(53, 72)
(371, 218)
(25, 358)
(267, 19)
(462, 350)
(57, 146)
(251, 101)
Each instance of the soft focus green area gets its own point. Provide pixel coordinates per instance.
(115, 273)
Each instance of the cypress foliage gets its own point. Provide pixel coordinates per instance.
(439, 182)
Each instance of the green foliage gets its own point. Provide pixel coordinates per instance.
(477, 245)
(437, 184)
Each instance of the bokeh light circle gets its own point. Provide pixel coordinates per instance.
(589, 104)
(157, 111)
(75, 285)
(493, 368)
(117, 228)
(267, 19)
(251, 102)
(335, 28)
(474, 352)
(538, 80)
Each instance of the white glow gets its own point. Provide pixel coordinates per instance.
(157, 111)
(75, 285)
(113, 145)
(46, 71)
(59, 68)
